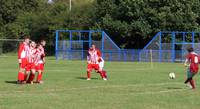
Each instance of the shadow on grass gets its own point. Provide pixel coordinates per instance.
(174, 88)
(84, 78)
(11, 82)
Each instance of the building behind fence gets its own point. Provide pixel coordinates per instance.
(164, 47)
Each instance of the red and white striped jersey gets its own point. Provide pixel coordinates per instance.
(23, 51)
(93, 56)
(32, 55)
(40, 55)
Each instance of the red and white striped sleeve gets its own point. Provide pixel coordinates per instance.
(21, 48)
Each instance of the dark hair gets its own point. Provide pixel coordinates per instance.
(190, 49)
(38, 44)
(26, 37)
(41, 40)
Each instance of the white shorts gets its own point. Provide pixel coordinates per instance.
(101, 65)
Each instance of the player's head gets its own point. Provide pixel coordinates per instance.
(190, 49)
(33, 44)
(93, 47)
(39, 46)
(27, 39)
(43, 42)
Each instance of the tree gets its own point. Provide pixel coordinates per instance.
(139, 20)
(9, 10)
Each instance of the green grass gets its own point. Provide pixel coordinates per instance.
(130, 86)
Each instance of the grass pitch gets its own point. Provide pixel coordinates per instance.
(130, 86)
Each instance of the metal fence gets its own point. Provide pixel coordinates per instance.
(118, 55)
(164, 46)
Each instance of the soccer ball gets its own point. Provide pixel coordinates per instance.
(172, 75)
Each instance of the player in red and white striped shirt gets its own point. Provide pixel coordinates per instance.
(23, 53)
(32, 59)
(101, 65)
(94, 55)
(41, 62)
(38, 63)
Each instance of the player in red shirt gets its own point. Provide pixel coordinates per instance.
(192, 62)
(101, 65)
(23, 53)
(32, 59)
(41, 62)
(93, 62)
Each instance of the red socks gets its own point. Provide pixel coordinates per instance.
(20, 76)
(104, 74)
(192, 84)
(25, 76)
(31, 77)
(101, 73)
(88, 74)
(39, 77)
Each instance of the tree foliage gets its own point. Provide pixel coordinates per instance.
(136, 21)
(130, 23)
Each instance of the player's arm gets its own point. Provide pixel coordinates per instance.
(21, 47)
(99, 53)
(186, 63)
(88, 58)
(43, 59)
(100, 59)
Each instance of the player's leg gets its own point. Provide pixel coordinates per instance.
(26, 75)
(21, 72)
(189, 79)
(192, 83)
(20, 76)
(100, 70)
(27, 72)
(39, 77)
(32, 75)
(104, 73)
(89, 69)
(188, 76)
(40, 69)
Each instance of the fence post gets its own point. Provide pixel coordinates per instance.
(56, 50)
(139, 55)
(70, 45)
(182, 50)
(160, 47)
(102, 43)
(132, 55)
(110, 56)
(173, 46)
(82, 51)
(90, 39)
(193, 33)
(119, 55)
(63, 49)
(124, 55)
(146, 55)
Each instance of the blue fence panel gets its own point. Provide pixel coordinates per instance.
(157, 50)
